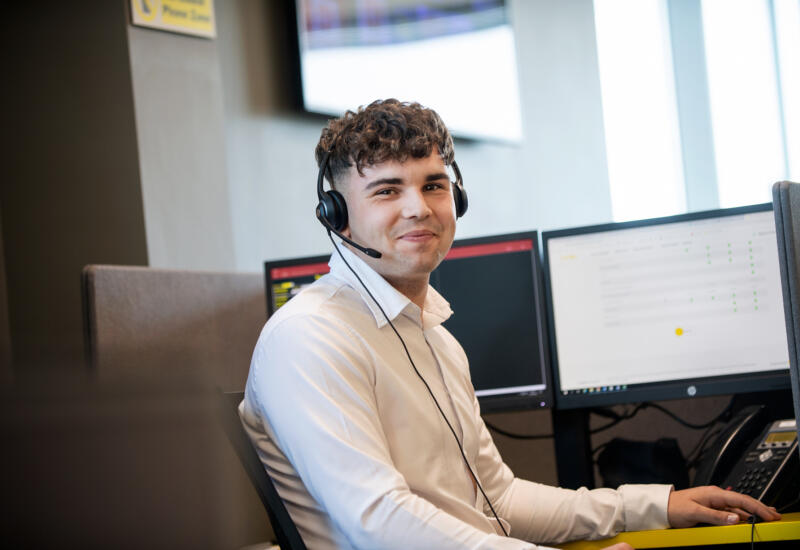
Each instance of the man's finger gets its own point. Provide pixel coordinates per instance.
(747, 504)
(744, 515)
(716, 517)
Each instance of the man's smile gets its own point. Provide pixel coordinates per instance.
(417, 235)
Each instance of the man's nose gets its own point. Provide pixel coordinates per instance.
(416, 205)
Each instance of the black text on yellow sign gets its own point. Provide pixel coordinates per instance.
(195, 17)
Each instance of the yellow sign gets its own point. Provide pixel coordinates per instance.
(194, 17)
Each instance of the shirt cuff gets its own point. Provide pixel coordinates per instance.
(645, 506)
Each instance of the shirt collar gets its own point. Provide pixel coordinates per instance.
(436, 309)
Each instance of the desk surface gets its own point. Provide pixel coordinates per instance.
(788, 528)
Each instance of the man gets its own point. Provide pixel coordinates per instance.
(360, 402)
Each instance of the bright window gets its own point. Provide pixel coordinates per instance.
(787, 40)
(739, 101)
(743, 89)
(639, 109)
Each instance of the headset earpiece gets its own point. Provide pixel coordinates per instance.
(333, 208)
(459, 194)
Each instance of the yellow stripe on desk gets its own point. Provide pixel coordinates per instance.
(788, 528)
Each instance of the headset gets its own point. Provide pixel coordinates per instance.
(331, 211)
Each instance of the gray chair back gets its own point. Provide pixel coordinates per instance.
(161, 326)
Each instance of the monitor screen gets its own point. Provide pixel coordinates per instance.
(674, 307)
(285, 278)
(492, 285)
(449, 55)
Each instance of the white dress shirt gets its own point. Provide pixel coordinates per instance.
(362, 457)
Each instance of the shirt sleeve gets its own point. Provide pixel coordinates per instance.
(313, 380)
(554, 515)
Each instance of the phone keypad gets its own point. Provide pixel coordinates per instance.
(754, 480)
(760, 469)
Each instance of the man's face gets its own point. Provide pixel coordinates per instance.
(406, 212)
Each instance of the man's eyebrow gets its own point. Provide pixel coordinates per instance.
(383, 181)
(399, 181)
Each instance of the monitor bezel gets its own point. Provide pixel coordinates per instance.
(269, 265)
(653, 391)
(519, 402)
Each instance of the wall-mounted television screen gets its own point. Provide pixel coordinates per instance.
(454, 56)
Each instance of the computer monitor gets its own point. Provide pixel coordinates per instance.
(667, 308)
(493, 286)
(285, 278)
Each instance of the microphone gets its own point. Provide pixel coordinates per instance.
(371, 252)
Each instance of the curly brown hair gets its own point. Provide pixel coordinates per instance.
(383, 130)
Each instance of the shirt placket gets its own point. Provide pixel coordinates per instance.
(456, 420)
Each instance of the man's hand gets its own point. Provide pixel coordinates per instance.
(715, 506)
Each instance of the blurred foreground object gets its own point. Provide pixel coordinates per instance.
(91, 465)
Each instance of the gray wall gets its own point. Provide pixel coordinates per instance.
(177, 95)
(116, 154)
(70, 193)
(556, 177)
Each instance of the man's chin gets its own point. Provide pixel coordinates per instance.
(401, 264)
(424, 266)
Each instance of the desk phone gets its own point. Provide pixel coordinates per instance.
(768, 469)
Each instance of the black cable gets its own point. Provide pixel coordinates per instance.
(752, 520)
(617, 418)
(513, 435)
(682, 422)
(699, 451)
(598, 449)
(606, 426)
(408, 354)
(606, 412)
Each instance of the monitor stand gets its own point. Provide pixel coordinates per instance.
(573, 448)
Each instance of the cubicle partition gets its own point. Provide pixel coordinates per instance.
(187, 334)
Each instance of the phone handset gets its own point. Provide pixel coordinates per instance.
(730, 445)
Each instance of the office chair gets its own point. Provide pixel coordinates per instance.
(282, 524)
(158, 328)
